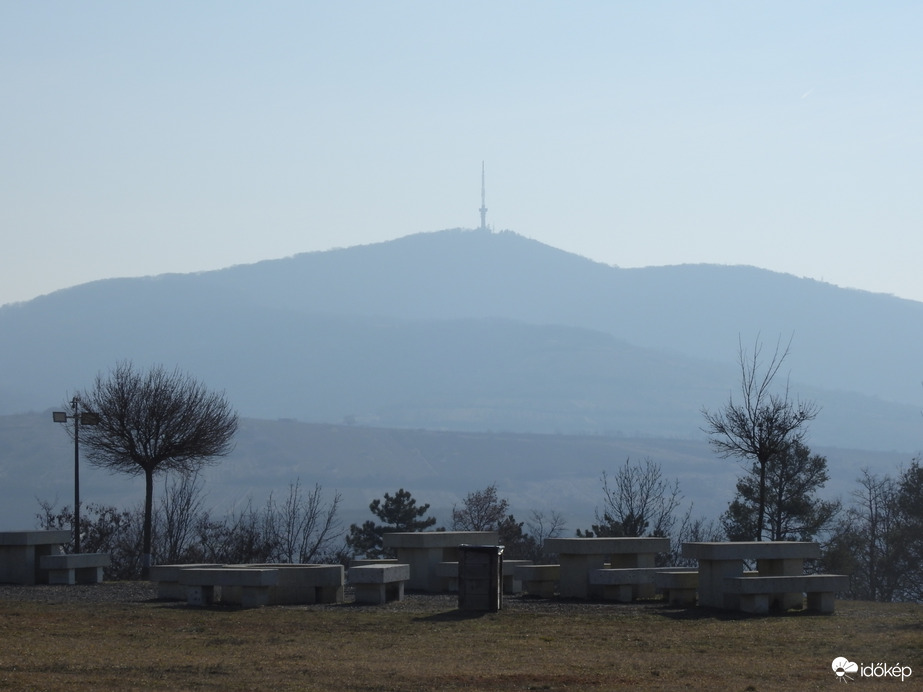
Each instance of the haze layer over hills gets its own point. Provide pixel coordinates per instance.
(474, 331)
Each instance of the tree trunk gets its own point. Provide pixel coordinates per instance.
(146, 558)
(761, 510)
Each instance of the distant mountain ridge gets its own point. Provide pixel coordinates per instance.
(696, 310)
(474, 330)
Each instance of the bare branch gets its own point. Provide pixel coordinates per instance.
(155, 422)
(765, 421)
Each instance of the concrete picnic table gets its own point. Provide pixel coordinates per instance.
(719, 560)
(424, 550)
(577, 556)
(21, 553)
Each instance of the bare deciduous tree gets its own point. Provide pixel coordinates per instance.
(106, 530)
(174, 525)
(692, 529)
(763, 422)
(304, 524)
(542, 525)
(155, 422)
(302, 529)
(481, 510)
(638, 501)
(485, 510)
(867, 544)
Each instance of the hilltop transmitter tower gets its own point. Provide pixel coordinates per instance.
(483, 209)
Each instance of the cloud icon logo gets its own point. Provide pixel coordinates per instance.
(841, 666)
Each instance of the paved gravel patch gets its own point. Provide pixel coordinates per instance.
(107, 592)
(142, 591)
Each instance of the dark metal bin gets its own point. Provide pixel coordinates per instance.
(480, 577)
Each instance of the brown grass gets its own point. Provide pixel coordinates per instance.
(425, 644)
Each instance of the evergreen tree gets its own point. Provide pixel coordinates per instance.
(909, 506)
(792, 510)
(397, 513)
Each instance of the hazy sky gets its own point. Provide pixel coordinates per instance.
(148, 137)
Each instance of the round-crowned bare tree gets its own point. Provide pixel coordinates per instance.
(155, 422)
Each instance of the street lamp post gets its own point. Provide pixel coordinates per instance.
(84, 418)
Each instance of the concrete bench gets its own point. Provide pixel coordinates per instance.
(298, 584)
(718, 561)
(678, 586)
(423, 550)
(167, 579)
(379, 583)
(75, 568)
(578, 556)
(447, 572)
(759, 594)
(254, 584)
(511, 583)
(20, 552)
(538, 580)
(625, 583)
(362, 561)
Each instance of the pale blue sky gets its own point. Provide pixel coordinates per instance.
(148, 137)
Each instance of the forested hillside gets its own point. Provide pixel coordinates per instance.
(479, 331)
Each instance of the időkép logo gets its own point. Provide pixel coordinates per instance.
(848, 671)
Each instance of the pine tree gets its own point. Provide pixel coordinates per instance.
(792, 510)
(397, 513)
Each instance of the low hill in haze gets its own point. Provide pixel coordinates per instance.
(546, 473)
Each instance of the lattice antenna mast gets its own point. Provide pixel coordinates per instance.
(483, 209)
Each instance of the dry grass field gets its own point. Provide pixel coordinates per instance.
(61, 642)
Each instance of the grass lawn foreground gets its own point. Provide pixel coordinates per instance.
(425, 643)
